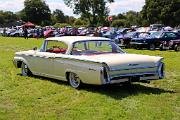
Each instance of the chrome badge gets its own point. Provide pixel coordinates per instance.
(133, 64)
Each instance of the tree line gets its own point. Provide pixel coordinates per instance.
(94, 13)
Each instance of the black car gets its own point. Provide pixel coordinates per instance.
(154, 40)
(130, 35)
(177, 31)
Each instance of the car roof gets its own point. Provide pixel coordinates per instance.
(72, 39)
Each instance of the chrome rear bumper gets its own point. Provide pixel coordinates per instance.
(156, 73)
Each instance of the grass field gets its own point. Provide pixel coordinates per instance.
(31, 98)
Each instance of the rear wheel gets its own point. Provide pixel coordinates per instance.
(152, 47)
(161, 47)
(16, 35)
(25, 70)
(177, 48)
(138, 47)
(74, 80)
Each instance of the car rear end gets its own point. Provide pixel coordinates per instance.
(133, 72)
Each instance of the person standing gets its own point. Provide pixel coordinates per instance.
(37, 33)
(25, 33)
(4, 32)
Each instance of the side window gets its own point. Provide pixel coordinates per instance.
(100, 46)
(165, 35)
(171, 35)
(79, 46)
(56, 47)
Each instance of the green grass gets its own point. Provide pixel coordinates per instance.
(43, 98)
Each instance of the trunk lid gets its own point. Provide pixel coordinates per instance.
(125, 61)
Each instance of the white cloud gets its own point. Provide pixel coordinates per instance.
(61, 6)
(11, 5)
(119, 6)
(17, 5)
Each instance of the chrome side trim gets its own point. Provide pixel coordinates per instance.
(138, 43)
(155, 77)
(132, 74)
(119, 81)
(141, 67)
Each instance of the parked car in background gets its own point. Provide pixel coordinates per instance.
(9, 31)
(178, 31)
(154, 40)
(156, 27)
(32, 33)
(110, 34)
(83, 32)
(89, 60)
(126, 39)
(17, 33)
(1, 31)
(125, 30)
(170, 45)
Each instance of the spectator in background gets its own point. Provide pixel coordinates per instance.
(25, 33)
(37, 33)
(96, 33)
(4, 32)
(42, 32)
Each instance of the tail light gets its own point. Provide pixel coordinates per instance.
(161, 70)
(104, 74)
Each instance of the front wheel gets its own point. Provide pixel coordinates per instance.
(74, 80)
(152, 47)
(25, 70)
(138, 47)
(177, 48)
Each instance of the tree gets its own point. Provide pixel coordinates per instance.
(58, 16)
(37, 11)
(162, 11)
(70, 19)
(132, 17)
(22, 15)
(1, 19)
(80, 23)
(121, 16)
(61, 25)
(94, 10)
(127, 19)
(8, 18)
(120, 23)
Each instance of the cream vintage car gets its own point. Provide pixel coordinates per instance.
(89, 60)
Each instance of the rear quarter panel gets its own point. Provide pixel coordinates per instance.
(87, 71)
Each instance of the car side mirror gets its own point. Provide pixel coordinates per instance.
(35, 48)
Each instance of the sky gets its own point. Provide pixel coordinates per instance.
(119, 6)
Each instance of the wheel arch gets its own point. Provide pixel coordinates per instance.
(67, 75)
(72, 71)
(19, 61)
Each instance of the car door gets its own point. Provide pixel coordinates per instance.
(164, 38)
(170, 36)
(173, 36)
(60, 61)
(43, 63)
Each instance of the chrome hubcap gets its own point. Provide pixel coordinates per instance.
(152, 47)
(178, 48)
(74, 80)
(24, 69)
(161, 71)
